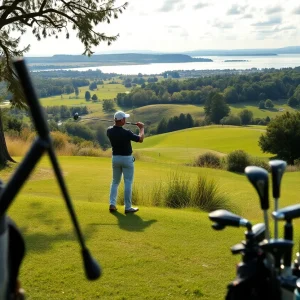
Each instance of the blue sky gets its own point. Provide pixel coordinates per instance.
(182, 25)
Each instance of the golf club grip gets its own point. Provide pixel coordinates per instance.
(31, 97)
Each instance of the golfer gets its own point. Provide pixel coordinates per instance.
(122, 159)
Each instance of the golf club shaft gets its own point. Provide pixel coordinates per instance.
(276, 221)
(266, 219)
(104, 120)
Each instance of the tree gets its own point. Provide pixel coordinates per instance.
(269, 103)
(94, 97)
(162, 126)
(76, 91)
(93, 86)
(293, 102)
(282, 137)
(108, 105)
(48, 18)
(231, 95)
(246, 116)
(261, 104)
(216, 108)
(87, 96)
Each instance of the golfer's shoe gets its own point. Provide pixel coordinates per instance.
(131, 210)
(112, 208)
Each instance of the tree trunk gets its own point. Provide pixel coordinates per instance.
(4, 155)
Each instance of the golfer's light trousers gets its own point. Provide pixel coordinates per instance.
(122, 165)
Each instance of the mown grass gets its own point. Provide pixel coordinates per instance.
(185, 145)
(105, 91)
(159, 253)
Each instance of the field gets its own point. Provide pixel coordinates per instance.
(159, 253)
(152, 114)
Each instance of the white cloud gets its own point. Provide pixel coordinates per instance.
(181, 25)
(274, 9)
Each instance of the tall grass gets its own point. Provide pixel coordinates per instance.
(137, 195)
(19, 145)
(180, 192)
(207, 196)
(16, 146)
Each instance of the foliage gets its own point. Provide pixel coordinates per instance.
(48, 18)
(269, 103)
(59, 139)
(175, 123)
(208, 160)
(237, 161)
(231, 95)
(216, 108)
(94, 97)
(232, 119)
(93, 86)
(256, 161)
(87, 96)
(80, 130)
(261, 104)
(207, 196)
(177, 194)
(283, 137)
(293, 102)
(246, 116)
(108, 105)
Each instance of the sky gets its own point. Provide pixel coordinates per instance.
(185, 25)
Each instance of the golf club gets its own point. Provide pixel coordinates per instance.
(259, 179)
(288, 214)
(278, 168)
(77, 117)
(42, 144)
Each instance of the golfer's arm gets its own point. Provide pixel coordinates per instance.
(141, 135)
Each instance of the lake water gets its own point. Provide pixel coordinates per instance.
(219, 62)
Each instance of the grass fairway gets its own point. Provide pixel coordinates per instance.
(105, 91)
(185, 145)
(158, 253)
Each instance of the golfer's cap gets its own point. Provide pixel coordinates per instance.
(119, 115)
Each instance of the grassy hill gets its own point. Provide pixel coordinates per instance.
(185, 145)
(152, 114)
(158, 253)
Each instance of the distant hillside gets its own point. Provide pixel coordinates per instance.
(244, 52)
(110, 59)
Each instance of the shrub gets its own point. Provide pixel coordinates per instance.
(237, 161)
(87, 151)
(231, 120)
(177, 194)
(209, 160)
(207, 196)
(256, 161)
(157, 192)
(59, 139)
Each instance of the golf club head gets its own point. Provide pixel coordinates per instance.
(259, 179)
(278, 167)
(287, 213)
(76, 116)
(223, 218)
(259, 231)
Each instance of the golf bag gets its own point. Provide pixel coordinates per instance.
(254, 281)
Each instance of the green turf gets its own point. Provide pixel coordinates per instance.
(159, 253)
(185, 145)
